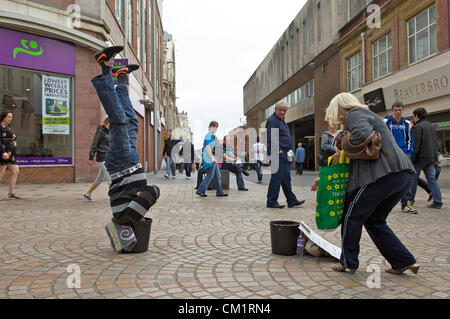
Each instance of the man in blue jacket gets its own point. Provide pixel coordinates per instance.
(401, 129)
(299, 158)
(282, 177)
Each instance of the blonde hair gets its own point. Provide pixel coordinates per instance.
(339, 107)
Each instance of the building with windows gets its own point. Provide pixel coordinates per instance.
(303, 69)
(407, 59)
(46, 66)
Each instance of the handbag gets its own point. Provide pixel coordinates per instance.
(368, 150)
(331, 193)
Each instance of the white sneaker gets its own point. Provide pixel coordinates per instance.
(187, 177)
(166, 176)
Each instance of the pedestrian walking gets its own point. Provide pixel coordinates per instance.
(258, 151)
(167, 155)
(210, 164)
(375, 186)
(299, 158)
(282, 177)
(98, 151)
(327, 144)
(401, 129)
(130, 196)
(187, 152)
(229, 163)
(291, 158)
(8, 150)
(426, 149)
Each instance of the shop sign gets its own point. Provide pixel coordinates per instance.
(31, 51)
(423, 87)
(43, 161)
(55, 105)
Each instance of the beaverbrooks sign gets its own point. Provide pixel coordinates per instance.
(424, 87)
(31, 51)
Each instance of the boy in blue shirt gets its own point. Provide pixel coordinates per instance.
(210, 164)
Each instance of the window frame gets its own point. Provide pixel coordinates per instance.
(388, 50)
(349, 72)
(416, 32)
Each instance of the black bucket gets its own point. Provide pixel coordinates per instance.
(142, 233)
(283, 235)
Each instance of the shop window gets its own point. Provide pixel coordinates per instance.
(422, 35)
(382, 56)
(41, 105)
(354, 72)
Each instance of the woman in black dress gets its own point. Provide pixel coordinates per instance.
(8, 148)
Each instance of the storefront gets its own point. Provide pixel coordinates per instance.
(36, 85)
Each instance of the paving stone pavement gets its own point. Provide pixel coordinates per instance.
(199, 248)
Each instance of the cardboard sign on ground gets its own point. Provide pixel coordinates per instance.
(333, 250)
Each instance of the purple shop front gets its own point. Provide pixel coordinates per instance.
(24, 50)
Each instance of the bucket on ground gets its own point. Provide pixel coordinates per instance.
(283, 235)
(142, 233)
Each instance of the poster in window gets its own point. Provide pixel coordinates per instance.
(55, 105)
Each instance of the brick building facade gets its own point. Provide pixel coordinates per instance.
(51, 153)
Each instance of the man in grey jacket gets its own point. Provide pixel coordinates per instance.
(425, 154)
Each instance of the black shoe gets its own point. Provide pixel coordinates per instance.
(245, 173)
(202, 195)
(222, 195)
(107, 53)
(435, 206)
(430, 198)
(276, 206)
(125, 69)
(243, 189)
(296, 204)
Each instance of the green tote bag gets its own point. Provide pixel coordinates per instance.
(331, 193)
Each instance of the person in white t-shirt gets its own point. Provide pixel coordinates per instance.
(258, 150)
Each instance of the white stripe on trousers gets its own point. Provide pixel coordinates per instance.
(350, 209)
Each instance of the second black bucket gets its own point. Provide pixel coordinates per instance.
(142, 233)
(283, 235)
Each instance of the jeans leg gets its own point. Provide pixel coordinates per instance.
(430, 174)
(200, 173)
(415, 182)
(258, 170)
(168, 164)
(274, 185)
(119, 155)
(218, 180)
(207, 180)
(286, 182)
(133, 123)
(438, 171)
(188, 168)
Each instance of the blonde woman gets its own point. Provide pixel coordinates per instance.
(374, 187)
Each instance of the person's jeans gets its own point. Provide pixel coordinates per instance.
(281, 178)
(123, 126)
(188, 168)
(299, 168)
(438, 171)
(170, 166)
(430, 174)
(212, 172)
(237, 170)
(257, 167)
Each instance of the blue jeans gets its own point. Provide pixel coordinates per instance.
(281, 178)
(430, 174)
(170, 166)
(212, 172)
(370, 206)
(257, 167)
(123, 126)
(237, 170)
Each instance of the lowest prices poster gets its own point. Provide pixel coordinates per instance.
(55, 105)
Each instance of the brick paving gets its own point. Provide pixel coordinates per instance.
(200, 248)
